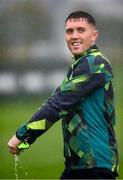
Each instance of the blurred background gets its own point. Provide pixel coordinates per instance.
(34, 60)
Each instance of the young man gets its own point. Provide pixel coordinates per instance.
(84, 102)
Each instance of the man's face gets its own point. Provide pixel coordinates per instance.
(80, 35)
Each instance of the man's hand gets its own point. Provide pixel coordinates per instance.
(12, 145)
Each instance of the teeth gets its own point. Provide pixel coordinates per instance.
(76, 43)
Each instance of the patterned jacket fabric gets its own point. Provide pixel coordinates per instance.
(85, 104)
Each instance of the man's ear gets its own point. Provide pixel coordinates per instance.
(95, 35)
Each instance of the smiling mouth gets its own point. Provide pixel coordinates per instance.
(76, 44)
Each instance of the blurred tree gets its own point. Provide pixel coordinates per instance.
(21, 24)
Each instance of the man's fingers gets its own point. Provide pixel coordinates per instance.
(12, 145)
(13, 150)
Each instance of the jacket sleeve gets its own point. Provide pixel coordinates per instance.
(84, 79)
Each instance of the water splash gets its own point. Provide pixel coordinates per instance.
(17, 159)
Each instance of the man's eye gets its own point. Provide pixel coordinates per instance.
(69, 31)
(81, 30)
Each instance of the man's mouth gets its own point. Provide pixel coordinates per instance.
(75, 44)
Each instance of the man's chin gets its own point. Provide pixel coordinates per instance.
(76, 53)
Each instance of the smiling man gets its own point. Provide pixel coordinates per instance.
(84, 102)
(80, 35)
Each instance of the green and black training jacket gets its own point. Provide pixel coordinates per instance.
(85, 104)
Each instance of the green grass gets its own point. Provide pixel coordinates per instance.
(44, 159)
(118, 84)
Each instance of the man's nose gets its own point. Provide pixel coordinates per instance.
(75, 34)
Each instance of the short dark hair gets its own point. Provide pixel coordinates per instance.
(81, 14)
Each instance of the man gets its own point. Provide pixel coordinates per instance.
(84, 102)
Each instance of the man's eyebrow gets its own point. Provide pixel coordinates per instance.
(80, 27)
(69, 29)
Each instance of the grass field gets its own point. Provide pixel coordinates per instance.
(44, 159)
